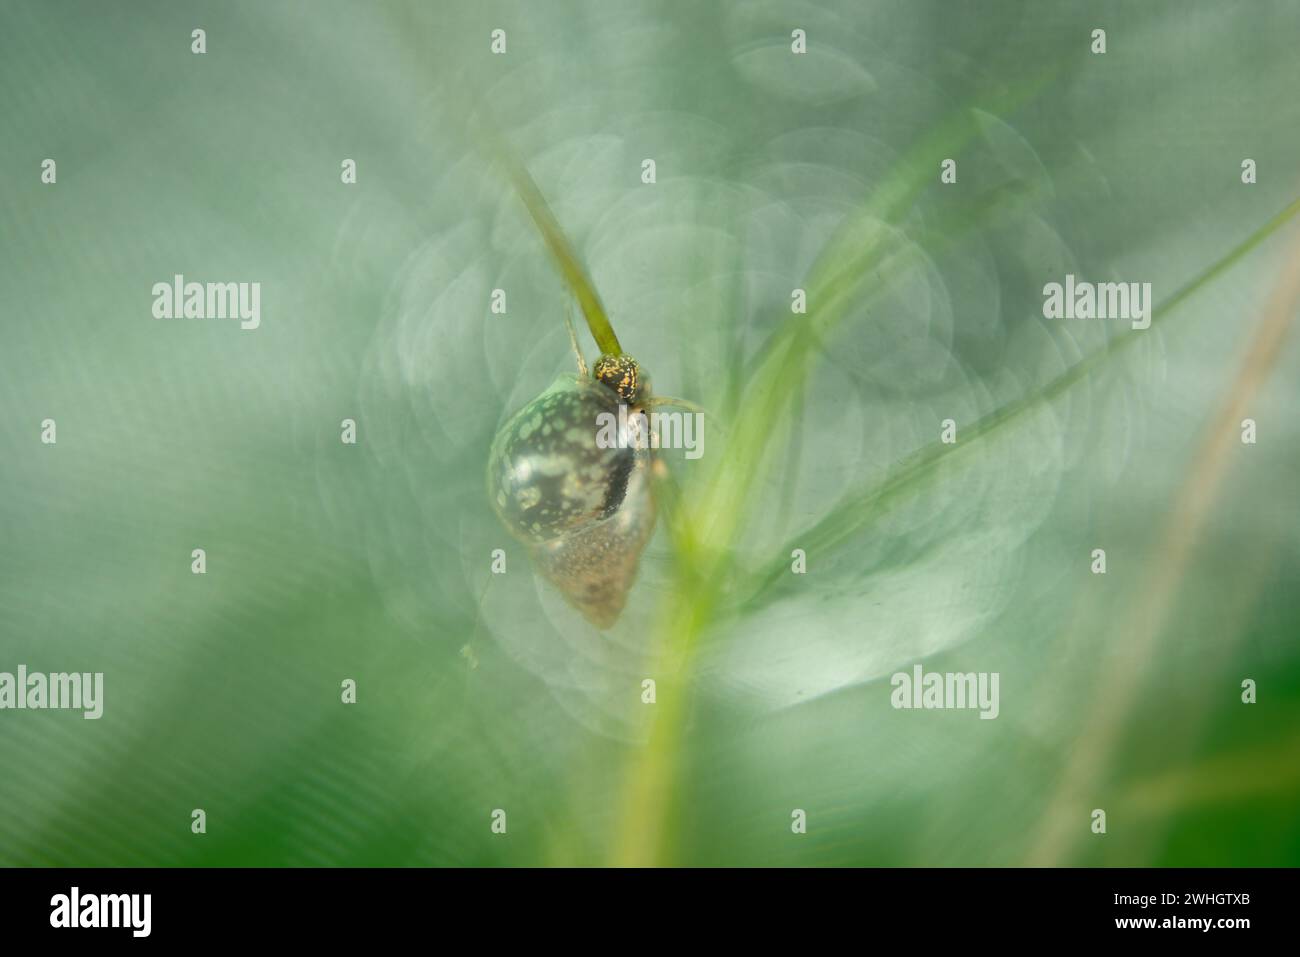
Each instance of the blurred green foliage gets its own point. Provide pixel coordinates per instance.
(774, 171)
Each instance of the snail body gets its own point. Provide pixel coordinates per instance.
(583, 507)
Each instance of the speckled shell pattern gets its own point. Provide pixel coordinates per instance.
(585, 512)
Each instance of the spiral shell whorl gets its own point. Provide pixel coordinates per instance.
(547, 476)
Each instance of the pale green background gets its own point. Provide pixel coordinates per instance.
(327, 562)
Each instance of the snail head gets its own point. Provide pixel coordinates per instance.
(624, 376)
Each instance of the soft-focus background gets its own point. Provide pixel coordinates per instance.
(774, 171)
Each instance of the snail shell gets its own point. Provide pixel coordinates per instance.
(585, 512)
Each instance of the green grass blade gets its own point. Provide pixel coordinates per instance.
(571, 268)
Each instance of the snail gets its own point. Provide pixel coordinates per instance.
(585, 512)
(584, 508)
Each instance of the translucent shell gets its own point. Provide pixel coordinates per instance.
(585, 512)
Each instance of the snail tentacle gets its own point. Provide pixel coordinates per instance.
(661, 401)
(573, 337)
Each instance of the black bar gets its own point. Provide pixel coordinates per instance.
(334, 906)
